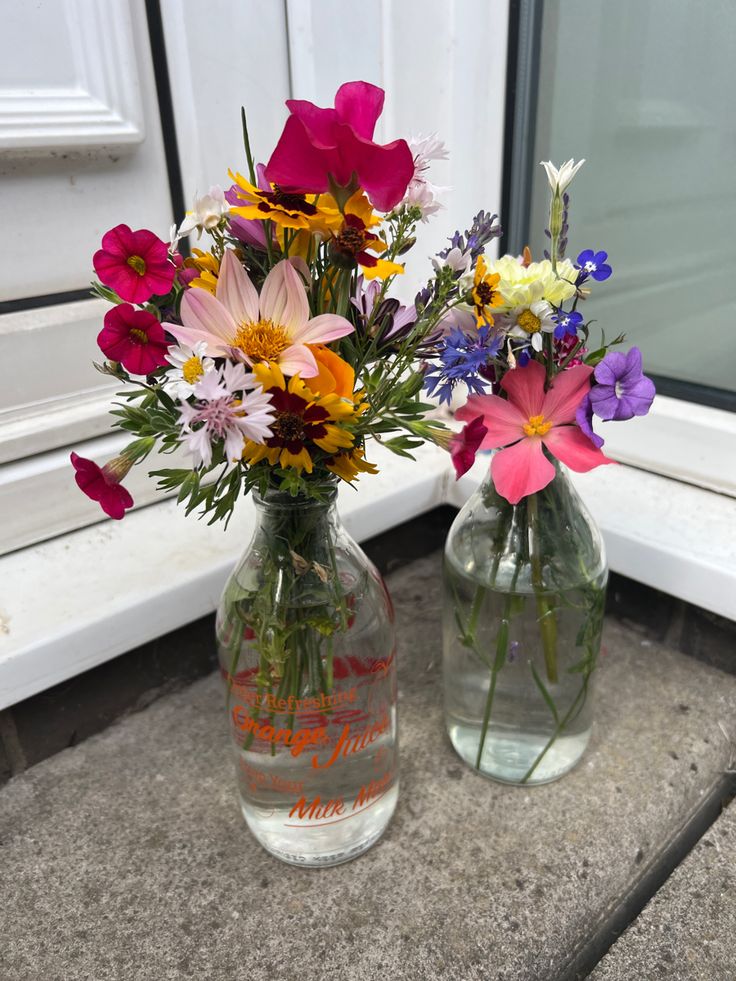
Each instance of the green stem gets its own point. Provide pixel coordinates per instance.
(502, 643)
(545, 604)
(559, 728)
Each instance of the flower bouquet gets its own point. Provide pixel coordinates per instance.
(525, 569)
(271, 358)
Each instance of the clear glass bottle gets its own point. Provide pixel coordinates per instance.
(306, 643)
(524, 597)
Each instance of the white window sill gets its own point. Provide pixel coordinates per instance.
(76, 601)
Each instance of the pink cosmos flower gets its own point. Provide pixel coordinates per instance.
(134, 338)
(529, 420)
(134, 264)
(319, 144)
(275, 327)
(102, 484)
(465, 444)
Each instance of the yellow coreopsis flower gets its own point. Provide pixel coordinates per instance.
(303, 420)
(208, 267)
(350, 464)
(485, 293)
(285, 209)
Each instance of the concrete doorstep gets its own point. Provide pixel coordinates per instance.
(126, 858)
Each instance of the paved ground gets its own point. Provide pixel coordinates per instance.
(688, 930)
(126, 858)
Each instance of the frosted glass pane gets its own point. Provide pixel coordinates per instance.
(645, 92)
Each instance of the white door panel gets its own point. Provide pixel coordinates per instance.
(80, 139)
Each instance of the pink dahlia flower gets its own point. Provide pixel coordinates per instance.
(134, 264)
(102, 484)
(530, 420)
(134, 338)
(322, 144)
(275, 327)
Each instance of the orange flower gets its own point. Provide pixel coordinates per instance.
(335, 377)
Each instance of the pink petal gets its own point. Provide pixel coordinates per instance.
(326, 327)
(296, 162)
(574, 449)
(568, 390)
(200, 311)
(189, 336)
(525, 387)
(384, 172)
(298, 359)
(235, 290)
(521, 470)
(502, 420)
(284, 299)
(359, 104)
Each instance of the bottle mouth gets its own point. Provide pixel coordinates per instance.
(324, 495)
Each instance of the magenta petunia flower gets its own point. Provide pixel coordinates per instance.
(102, 484)
(134, 338)
(134, 264)
(319, 145)
(464, 445)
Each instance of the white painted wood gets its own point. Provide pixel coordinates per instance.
(56, 205)
(231, 55)
(443, 66)
(81, 599)
(83, 90)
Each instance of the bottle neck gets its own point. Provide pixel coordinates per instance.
(297, 519)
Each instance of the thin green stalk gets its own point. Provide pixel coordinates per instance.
(502, 643)
(545, 604)
(560, 727)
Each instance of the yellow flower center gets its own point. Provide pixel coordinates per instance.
(192, 369)
(136, 334)
(137, 263)
(529, 322)
(262, 341)
(537, 426)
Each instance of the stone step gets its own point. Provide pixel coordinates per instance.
(126, 857)
(688, 930)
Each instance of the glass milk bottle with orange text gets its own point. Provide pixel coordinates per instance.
(306, 643)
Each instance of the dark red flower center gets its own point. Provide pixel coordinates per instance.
(289, 426)
(484, 293)
(286, 201)
(137, 263)
(296, 421)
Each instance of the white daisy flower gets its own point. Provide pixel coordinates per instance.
(189, 366)
(530, 322)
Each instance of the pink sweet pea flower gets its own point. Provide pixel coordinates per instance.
(465, 444)
(134, 264)
(531, 419)
(134, 338)
(102, 484)
(275, 327)
(319, 144)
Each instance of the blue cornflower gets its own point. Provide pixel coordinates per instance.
(593, 264)
(568, 324)
(461, 356)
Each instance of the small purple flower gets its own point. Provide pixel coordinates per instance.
(621, 390)
(593, 264)
(584, 419)
(568, 324)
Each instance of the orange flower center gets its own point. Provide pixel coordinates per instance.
(529, 322)
(537, 426)
(262, 341)
(137, 263)
(192, 369)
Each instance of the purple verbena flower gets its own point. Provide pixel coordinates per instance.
(584, 419)
(568, 324)
(621, 390)
(593, 264)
